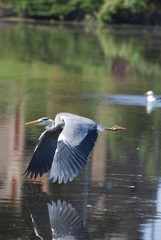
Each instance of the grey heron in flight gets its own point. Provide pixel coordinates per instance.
(151, 98)
(64, 146)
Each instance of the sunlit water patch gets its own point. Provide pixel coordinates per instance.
(152, 229)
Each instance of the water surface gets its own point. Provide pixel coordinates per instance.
(103, 75)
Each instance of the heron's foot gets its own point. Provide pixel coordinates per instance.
(115, 128)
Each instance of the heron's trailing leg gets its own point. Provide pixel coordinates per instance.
(115, 128)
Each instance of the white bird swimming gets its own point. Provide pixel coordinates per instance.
(64, 147)
(151, 98)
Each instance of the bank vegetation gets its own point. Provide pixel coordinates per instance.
(102, 11)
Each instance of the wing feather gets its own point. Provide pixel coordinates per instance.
(42, 158)
(74, 145)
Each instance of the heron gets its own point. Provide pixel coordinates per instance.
(64, 146)
(151, 98)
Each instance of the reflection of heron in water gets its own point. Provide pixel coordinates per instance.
(65, 221)
(53, 219)
(64, 146)
(151, 99)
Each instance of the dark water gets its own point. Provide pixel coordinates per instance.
(100, 74)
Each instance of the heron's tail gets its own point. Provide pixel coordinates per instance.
(100, 128)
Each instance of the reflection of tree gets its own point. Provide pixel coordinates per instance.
(68, 62)
(11, 148)
(120, 69)
(141, 138)
(131, 48)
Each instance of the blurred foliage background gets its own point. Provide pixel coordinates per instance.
(103, 11)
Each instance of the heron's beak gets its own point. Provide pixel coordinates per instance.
(32, 123)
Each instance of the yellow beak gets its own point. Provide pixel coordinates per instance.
(32, 122)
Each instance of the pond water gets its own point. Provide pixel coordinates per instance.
(103, 75)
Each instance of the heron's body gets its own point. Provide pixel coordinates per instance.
(64, 147)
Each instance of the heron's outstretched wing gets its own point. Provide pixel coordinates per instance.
(74, 145)
(42, 158)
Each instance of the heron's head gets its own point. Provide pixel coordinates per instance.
(47, 122)
(149, 93)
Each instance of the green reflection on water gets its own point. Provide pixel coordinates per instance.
(47, 69)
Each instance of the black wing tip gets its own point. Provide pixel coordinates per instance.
(30, 174)
(33, 171)
(25, 173)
